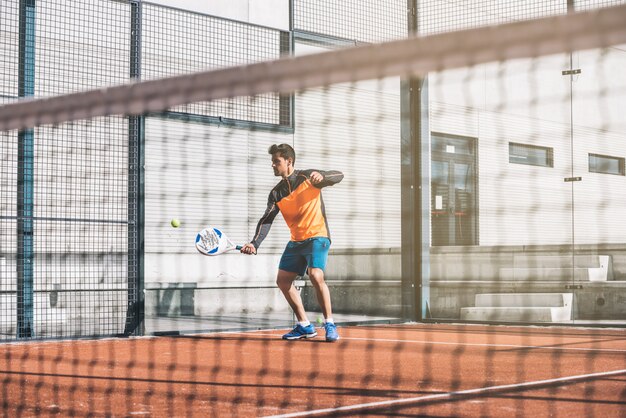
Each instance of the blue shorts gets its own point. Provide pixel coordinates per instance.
(299, 255)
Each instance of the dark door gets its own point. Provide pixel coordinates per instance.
(453, 191)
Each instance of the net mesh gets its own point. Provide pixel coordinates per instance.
(483, 165)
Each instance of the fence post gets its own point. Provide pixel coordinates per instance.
(25, 176)
(136, 128)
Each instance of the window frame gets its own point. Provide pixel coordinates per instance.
(549, 155)
(620, 161)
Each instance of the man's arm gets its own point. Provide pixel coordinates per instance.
(263, 227)
(325, 178)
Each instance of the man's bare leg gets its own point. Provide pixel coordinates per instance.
(321, 290)
(285, 284)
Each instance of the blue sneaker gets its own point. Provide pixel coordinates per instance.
(331, 332)
(301, 332)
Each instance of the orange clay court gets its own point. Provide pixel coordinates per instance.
(389, 370)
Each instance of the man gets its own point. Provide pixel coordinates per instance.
(298, 197)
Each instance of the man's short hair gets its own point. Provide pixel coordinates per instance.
(284, 150)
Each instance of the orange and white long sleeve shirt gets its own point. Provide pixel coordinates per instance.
(301, 204)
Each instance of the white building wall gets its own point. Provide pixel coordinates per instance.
(272, 13)
(355, 128)
(528, 102)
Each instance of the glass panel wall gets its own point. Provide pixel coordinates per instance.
(598, 92)
(525, 167)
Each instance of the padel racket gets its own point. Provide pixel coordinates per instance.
(212, 241)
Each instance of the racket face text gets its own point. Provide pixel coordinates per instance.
(208, 240)
(212, 241)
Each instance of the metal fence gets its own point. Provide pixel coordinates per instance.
(71, 203)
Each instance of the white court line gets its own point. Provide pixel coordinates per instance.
(387, 340)
(450, 395)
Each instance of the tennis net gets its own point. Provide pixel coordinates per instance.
(483, 163)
